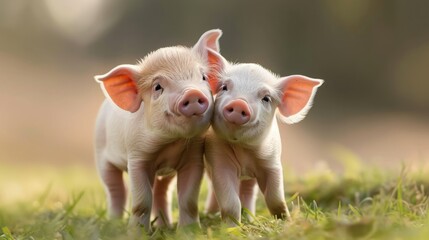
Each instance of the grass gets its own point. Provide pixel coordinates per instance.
(359, 204)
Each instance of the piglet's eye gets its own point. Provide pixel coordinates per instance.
(204, 77)
(224, 88)
(266, 99)
(158, 88)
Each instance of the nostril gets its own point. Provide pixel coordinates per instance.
(193, 103)
(237, 112)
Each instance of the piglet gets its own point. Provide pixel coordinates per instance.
(151, 125)
(243, 148)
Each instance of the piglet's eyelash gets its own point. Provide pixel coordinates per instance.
(266, 98)
(223, 88)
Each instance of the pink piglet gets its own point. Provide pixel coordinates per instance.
(243, 147)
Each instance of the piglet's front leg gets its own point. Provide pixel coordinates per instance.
(189, 178)
(271, 185)
(162, 197)
(248, 191)
(224, 176)
(141, 180)
(225, 184)
(188, 188)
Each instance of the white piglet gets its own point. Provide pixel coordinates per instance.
(152, 125)
(243, 148)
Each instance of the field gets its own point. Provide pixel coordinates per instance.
(373, 56)
(359, 203)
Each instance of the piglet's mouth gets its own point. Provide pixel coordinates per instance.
(237, 132)
(172, 116)
(169, 114)
(236, 126)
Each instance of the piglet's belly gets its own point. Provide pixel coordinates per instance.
(165, 161)
(245, 177)
(167, 171)
(246, 174)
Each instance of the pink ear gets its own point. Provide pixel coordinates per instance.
(217, 65)
(298, 93)
(209, 39)
(119, 85)
(208, 47)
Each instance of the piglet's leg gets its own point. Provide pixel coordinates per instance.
(141, 178)
(162, 197)
(224, 174)
(271, 185)
(211, 203)
(115, 188)
(188, 188)
(225, 185)
(248, 192)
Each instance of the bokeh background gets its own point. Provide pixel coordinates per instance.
(373, 56)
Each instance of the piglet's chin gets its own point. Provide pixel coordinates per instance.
(233, 137)
(234, 133)
(188, 127)
(193, 130)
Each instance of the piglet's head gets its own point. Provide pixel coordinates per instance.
(249, 96)
(170, 88)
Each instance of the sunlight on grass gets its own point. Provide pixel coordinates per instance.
(51, 203)
(45, 186)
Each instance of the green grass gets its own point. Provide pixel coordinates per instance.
(49, 203)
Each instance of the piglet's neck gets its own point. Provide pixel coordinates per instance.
(249, 143)
(266, 138)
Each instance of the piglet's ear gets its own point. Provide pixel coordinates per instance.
(119, 85)
(298, 93)
(217, 65)
(209, 39)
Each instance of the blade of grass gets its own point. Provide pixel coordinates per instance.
(355, 210)
(339, 209)
(400, 205)
(44, 195)
(316, 210)
(74, 202)
(248, 212)
(234, 220)
(7, 235)
(294, 196)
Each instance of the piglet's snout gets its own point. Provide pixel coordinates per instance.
(193, 102)
(237, 112)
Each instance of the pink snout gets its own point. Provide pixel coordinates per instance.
(237, 112)
(194, 102)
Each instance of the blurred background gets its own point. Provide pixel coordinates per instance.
(373, 56)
